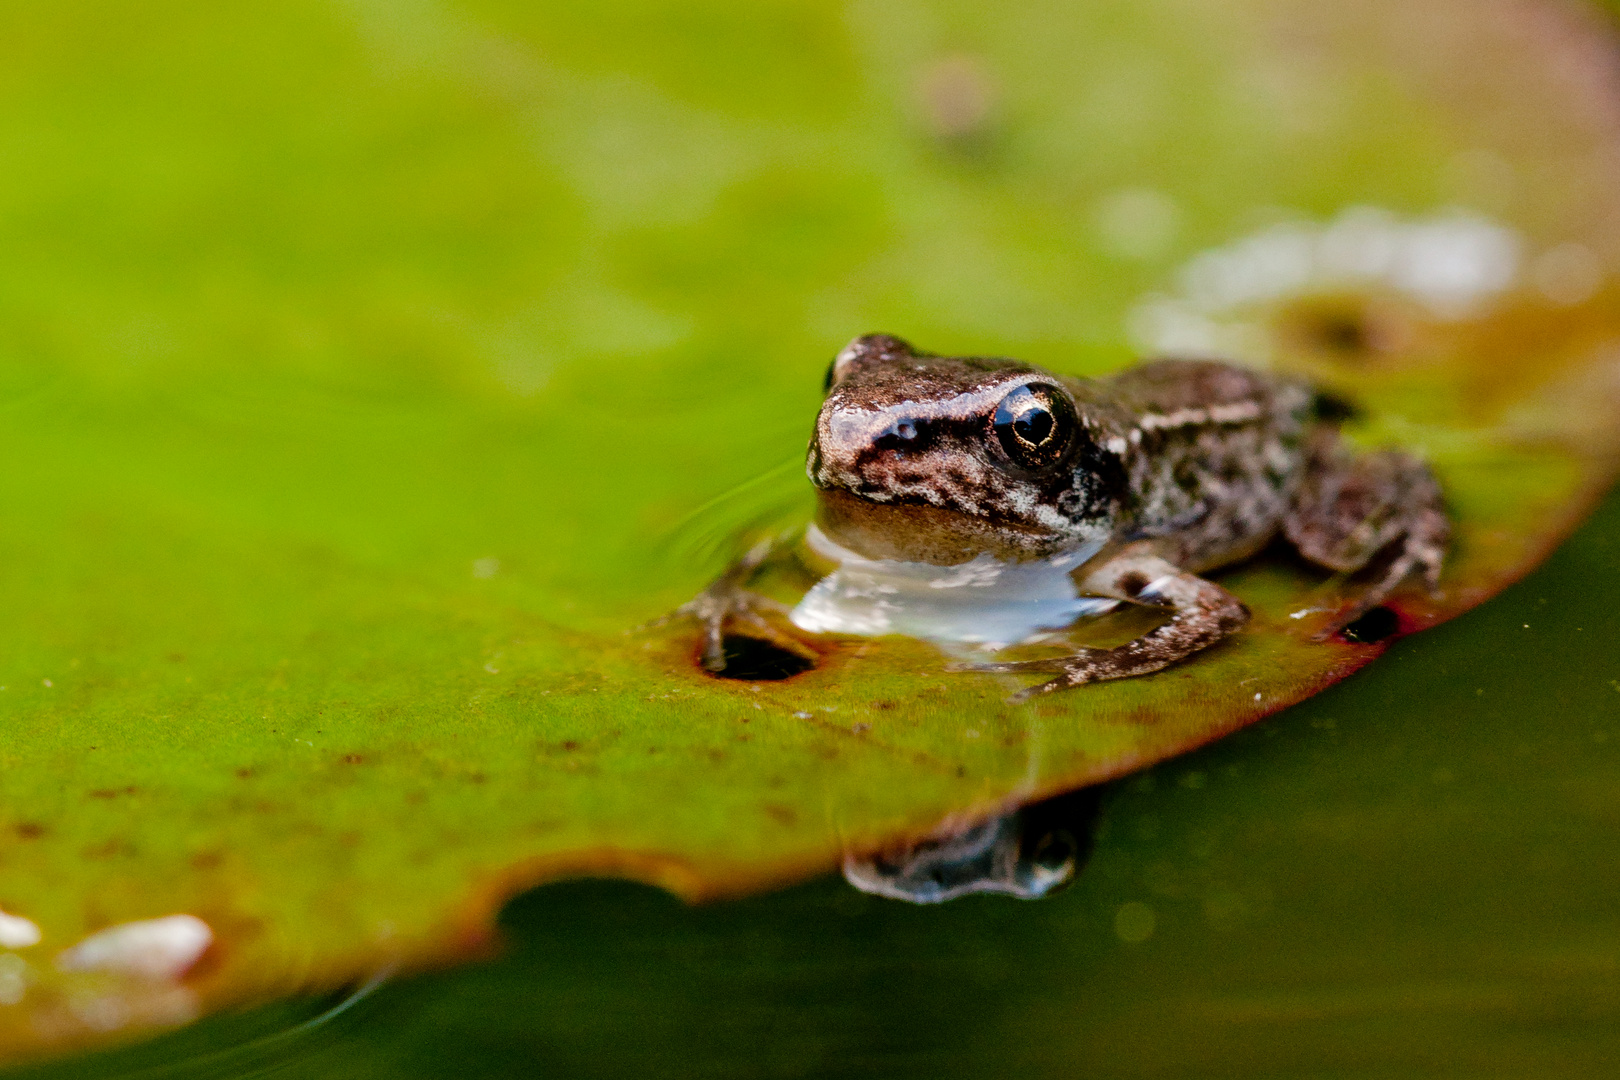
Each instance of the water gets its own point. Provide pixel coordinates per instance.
(1411, 874)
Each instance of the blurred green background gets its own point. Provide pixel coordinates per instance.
(616, 244)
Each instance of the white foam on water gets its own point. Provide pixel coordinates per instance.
(1454, 263)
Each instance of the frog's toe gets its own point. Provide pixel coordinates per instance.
(1069, 678)
(714, 649)
(1014, 667)
(756, 602)
(773, 634)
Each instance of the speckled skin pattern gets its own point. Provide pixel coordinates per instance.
(1203, 457)
(1165, 471)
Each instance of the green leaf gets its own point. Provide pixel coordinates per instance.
(361, 368)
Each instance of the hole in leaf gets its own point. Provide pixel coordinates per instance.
(754, 660)
(1375, 626)
(1333, 409)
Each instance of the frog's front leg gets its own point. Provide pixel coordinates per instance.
(1353, 507)
(1202, 613)
(730, 600)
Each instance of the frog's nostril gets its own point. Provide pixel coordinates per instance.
(901, 435)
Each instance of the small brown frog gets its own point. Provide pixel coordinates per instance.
(1132, 486)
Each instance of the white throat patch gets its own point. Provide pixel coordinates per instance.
(984, 602)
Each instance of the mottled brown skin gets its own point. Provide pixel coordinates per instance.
(1158, 474)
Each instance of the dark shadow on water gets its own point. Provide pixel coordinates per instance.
(608, 978)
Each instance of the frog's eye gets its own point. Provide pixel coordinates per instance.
(1035, 425)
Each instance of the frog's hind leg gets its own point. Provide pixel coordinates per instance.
(1203, 613)
(1353, 508)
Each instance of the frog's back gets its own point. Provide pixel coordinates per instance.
(1168, 387)
(1216, 453)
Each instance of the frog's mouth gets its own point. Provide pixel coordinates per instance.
(919, 532)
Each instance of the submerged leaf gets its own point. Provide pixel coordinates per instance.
(358, 409)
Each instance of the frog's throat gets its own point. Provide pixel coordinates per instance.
(928, 534)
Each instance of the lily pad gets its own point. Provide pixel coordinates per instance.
(374, 374)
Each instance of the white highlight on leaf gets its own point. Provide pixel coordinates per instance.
(1452, 263)
(17, 932)
(13, 979)
(155, 949)
(1567, 274)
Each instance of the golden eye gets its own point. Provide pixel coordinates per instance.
(1035, 425)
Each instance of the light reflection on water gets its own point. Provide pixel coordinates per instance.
(253, 1043)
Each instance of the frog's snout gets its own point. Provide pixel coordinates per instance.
(853, 447)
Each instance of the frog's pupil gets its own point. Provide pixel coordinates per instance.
(1034, 424)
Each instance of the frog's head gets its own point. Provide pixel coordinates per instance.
(938, 459)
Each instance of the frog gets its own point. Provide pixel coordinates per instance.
(1134, 486)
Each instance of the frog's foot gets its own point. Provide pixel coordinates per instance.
(1202, 614)
(728, 601)
(717, 607)
(1352, 510)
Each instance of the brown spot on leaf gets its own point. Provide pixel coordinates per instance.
(207, 860)
(113, 793)
(353, 759)
(111, 849)
(957, 95)
(1348, 329)
(29, 830)
(782, 815)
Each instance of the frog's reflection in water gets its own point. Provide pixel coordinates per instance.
(1029, 853)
